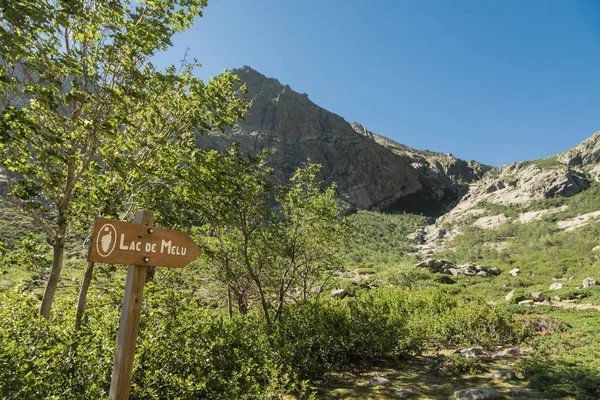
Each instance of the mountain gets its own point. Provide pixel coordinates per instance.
(371, 171)
(523, 192)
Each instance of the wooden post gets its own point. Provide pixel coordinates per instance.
(130, 318)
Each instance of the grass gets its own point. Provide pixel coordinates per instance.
(548, 162)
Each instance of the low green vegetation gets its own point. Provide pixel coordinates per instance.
(188, 351)
(383, 239)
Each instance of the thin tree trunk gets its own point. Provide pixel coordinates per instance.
(263, 302)
(57, 260)
(151, 271)
(229, 305)
(85, 285)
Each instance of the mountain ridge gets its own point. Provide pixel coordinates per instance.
(371, 171)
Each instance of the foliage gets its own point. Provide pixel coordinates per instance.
(183, 352)
(83, 111)
(383, 238)
(457, 365)
(274, 242)
(188, 351)
(30, 254)
(565, 362)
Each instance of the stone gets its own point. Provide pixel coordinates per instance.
(453, 271)
(379, 381)
(514, 271)
(589, 282)
(556, 298)
(470, 352)
(339, 293)
(513, 351)
(504, 374)
(446, 280)
(526, 302)
(477, 394)
(597, 248)
(577, 222)
(556, 286)
(537, 296)
(491, 222)
(509, 295)
(402, 394)
(482, 273)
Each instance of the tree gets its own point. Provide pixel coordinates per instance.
(313, 237)
(275, 242)
(80, 101)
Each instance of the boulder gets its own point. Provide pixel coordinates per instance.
(589, 282)
(514, 271)
(379, 381)
(439, 266)
(513, 351)
(477, 394)
(538, 296)
(504, 374)
(339, 293)
(446, 280)
(470, 352)
(526, 302)
(556, 286)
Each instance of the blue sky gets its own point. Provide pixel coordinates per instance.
(496, 81)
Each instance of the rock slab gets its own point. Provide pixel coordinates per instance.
(477, 394)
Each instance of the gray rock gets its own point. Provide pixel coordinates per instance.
(339, 293)
(526, 302)
(482, 273)
(537, 296)
(513, 351)
(556, 298)
(477, 394)
(470, 352)
(504, 374)
(447, 280)
(439, 266)
(514, 271)
(402, 394)
(597, 248)
(586, 153)
(379, 381)
(509, 295)
(453, 271)
(556, 286)
(589, 282)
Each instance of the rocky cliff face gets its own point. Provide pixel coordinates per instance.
(371, 171)
(518, 185)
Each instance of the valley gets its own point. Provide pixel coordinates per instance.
(444, 254)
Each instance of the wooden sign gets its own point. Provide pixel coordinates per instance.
(118, 242)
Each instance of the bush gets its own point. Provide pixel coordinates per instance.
(187, 351)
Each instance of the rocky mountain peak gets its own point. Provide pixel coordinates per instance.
(586, 153)
(370, 170)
